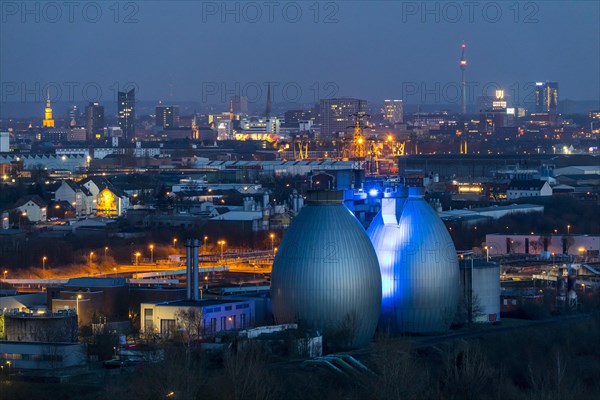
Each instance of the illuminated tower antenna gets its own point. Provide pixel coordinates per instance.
(268, 108)
(463, 67)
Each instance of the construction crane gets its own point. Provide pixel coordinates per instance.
(397, 148)
(302, 148)
(463, 147)
(374, 153)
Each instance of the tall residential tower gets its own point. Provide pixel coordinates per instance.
(393, 111)
(126, 117)
(94, 121)
(167, 116)
(546, 97)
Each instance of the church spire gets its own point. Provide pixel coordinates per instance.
(48, 122)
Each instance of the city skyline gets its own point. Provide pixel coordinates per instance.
(299, 199)
(373, 60)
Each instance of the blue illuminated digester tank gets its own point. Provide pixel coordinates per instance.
(419, 268)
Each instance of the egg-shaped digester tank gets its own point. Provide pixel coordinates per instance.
(419, 268)
(326, 273)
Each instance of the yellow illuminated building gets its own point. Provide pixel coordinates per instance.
(107, 203)
(470, 189)
(48, 122)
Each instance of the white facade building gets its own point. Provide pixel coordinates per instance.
(165, 318)
(78, 196)
(529, 188)
(33, 208)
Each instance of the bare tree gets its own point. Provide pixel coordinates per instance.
(549, 379)
(190, 320)
(466, 373)
(247, 370)
(343, 336)
(399, 375)
(567, 242)
(537, 245)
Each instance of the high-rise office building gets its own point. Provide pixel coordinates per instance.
(496, 113)
(393, 111)
(546, 97)
(238, 105)
(4, 142)
(167, 116)
(94, 121)
(336, 115)
(292, 118)
(126, 117)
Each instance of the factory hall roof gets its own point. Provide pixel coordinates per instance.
(526, 185)
(196, 303)
(95, 282)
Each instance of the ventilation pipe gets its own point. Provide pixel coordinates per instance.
(195, 270)
(188, 268)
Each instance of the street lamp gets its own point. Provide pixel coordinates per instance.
(77, 307)
(272, 236)
(44, 266)
(8, 364)
(568, 229)
(105, 251)
(487, 253)
(91, 257)
(151, 254)
(221, 243)
(205, 248)
(4, 273)
(174, 242)
(137, 258)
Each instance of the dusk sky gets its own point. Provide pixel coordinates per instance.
(371, 50)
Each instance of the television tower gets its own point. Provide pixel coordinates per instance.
(463, 84)
(268, 107)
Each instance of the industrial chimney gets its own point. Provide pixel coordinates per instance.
(191, 252)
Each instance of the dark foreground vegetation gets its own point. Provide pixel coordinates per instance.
(556, 361)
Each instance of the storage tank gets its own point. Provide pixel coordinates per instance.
(58, 327)
(480, 281)
(419, 267)
(326, 273)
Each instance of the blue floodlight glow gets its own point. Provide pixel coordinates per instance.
(373, 192)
